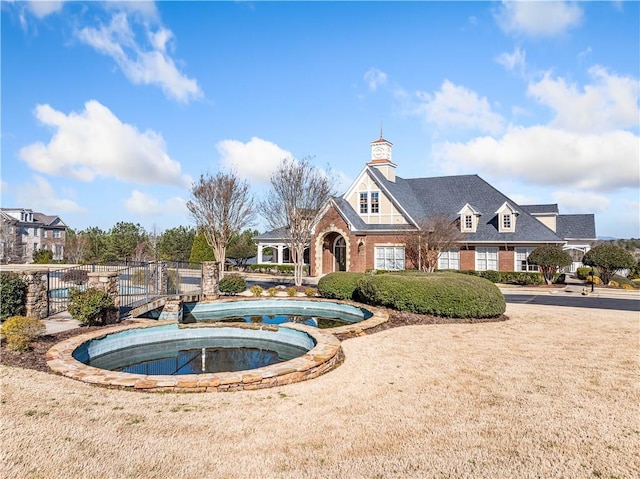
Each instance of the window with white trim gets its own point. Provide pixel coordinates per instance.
(389, 258)
(449, 259)
(56, 233)
(522, 264)
(468, 222)
(486, 259)
(506, 221)
(364, 203)
(375, 202)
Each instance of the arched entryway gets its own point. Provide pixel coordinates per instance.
(332, 252)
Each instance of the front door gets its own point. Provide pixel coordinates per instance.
(340, 254)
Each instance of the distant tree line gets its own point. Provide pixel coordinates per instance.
(131, 242)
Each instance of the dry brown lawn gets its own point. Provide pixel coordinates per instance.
(551, 393)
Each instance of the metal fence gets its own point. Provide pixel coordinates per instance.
(138, 282)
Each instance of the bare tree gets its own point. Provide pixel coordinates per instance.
(435, 235)
(75, 244)
(222, 206)
(298, 191)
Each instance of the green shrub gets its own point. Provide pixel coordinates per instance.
(232, 284)
(310, 292)
(42, 256)
(491, 275)
(583, 272)
(75, 276)
(272, 291)
(19, 331)
(280, 269)
(13, 295)
(90, 307)
(256, 290)
(505, 277)
(340, 285)
(292, 291)
(440, 294)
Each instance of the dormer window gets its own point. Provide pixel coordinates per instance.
(469, 219)
(468, 222)
(506, 221)
(507, 215)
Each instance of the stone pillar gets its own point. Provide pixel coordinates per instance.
(37, 282)
(260, 253)
(210, 280)
(280, 253)
(163, 277)
(172, 310)
(107, 281)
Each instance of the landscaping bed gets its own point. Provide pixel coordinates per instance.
(34, 358)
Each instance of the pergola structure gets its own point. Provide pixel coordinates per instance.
(276, 240)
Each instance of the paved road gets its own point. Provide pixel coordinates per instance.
(620, 304)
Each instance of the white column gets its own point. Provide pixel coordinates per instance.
(280, 250)
(260, 253)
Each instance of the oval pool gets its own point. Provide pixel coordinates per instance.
(319, 314)
(175, 350)
(317, 352)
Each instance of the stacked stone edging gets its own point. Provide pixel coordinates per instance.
(325, 356)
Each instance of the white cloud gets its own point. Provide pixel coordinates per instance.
(536, 18)
(610, 102)
(146, 65)
(254, 160)
(546, 156)
(375, 78)
(41, 197)
(579, 202)
(523, 199)
(143, 204)
(41, 9)
(95, 143)
(515, 61)
(457, 107)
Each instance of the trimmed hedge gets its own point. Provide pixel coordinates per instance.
(270, 268)
(504, 277)
(232, 284)
(340, 285)
(450, 295)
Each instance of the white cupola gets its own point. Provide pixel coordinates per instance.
(381, 158)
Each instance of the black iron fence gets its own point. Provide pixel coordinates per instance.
(138, 282)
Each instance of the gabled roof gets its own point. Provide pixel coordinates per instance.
(47, 220)
(541, 209)
(423, 198)
(277, 234)
(576, 226)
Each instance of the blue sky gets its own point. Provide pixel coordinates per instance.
(111, 109)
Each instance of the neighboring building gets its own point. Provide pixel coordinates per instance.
(365, 228)
(23, 231)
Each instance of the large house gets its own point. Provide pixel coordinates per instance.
(366, 228)
(23, 232)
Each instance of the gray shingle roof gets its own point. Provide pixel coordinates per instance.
(541, 209)
(422, 198)
(277, 234)
(576, 226)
